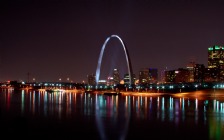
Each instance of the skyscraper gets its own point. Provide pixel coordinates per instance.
(116, 76)
(216, 59)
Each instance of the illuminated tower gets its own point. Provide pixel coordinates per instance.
(216, 59)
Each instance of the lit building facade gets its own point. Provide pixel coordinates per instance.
(148, 75)
(182, 76)
(110, 81)
(126, 79)
(170, 76)
(102, 82)
(190, 68)
(211, 75)
(144, 76)
(216, 59)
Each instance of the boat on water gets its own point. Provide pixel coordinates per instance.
(112, 93)
(89, 91)
(54, 90)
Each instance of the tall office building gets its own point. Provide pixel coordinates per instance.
(91, 79)
(163, 75)
(190, 68)
(199, 70)
(116, 77)
(216, 59)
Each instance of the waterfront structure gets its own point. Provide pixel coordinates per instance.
(216, 59)
(116, 76)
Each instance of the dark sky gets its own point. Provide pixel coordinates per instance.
(54, 39)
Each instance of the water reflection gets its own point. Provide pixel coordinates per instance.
(22, 102)
(113, 113)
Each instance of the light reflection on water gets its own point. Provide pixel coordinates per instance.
(116, 112)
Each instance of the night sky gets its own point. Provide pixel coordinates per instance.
(52, 39)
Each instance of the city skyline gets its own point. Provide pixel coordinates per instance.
(62, 39)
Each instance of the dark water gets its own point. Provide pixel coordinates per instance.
(33, 114)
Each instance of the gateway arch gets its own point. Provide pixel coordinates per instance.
(130, 72)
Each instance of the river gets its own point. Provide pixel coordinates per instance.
(78, 115)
